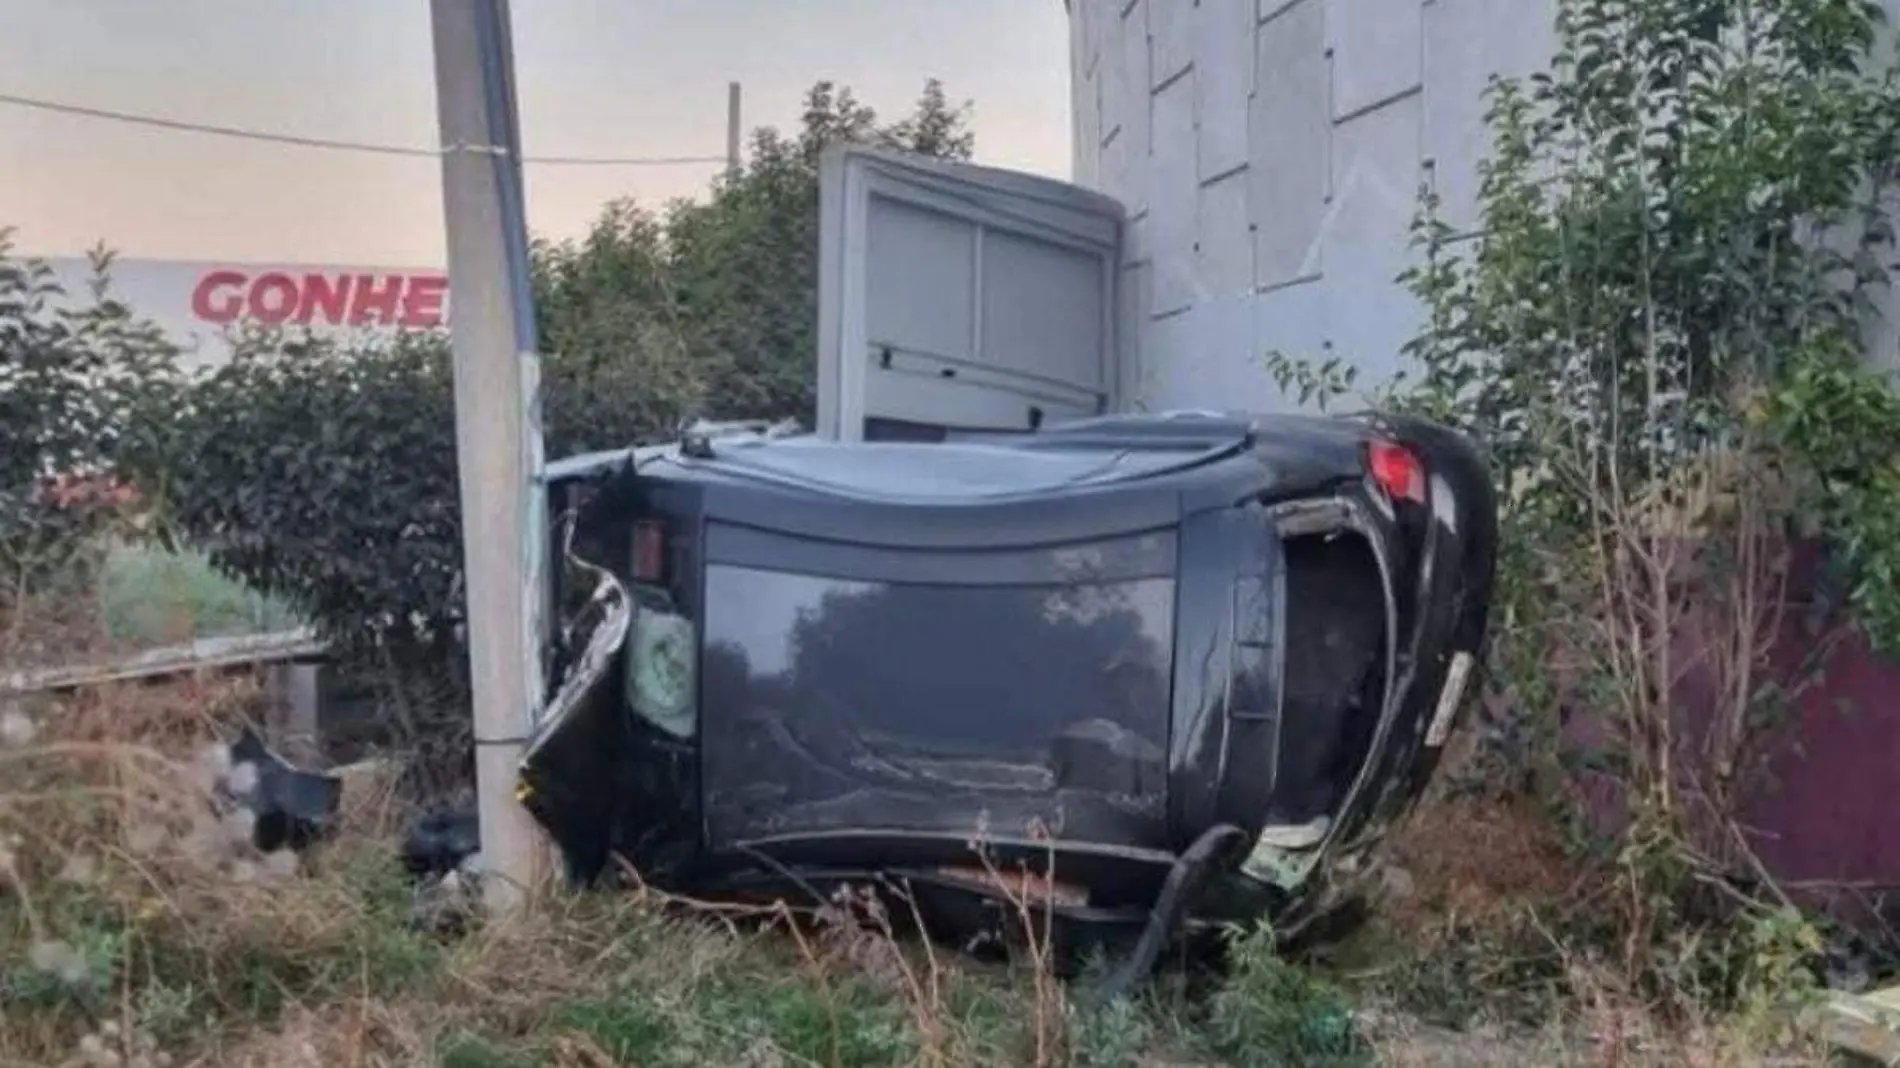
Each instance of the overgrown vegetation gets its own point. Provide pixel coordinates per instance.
(79, 396)
(148, 596)
(1657, 334)
(140, 926)
(322, 475)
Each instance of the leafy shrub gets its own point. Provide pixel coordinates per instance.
(82, 395)
(1270, 1011)
(1113, 1035)
(149, 596)
(616, 365)
(1655, 332)
(745, 263)
(325, 475)
(1658, 339)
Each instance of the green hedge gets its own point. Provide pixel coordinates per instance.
(324, 475)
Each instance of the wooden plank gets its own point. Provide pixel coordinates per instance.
(205, 654)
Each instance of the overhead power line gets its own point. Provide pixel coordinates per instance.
(245, 134)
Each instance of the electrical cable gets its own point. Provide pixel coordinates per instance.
(300, 141)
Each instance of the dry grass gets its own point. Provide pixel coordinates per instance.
(139, 928)
(1488, 957)
(1468, 857)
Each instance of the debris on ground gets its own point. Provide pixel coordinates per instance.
(1867, 1025)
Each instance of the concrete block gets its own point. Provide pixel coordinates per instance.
(1376, 50)
(1174, 197)
(1223, 265)
(1104, 19)
(1119, 173)
(1291, 321)
(1086, 162)
(1289, 133)
(1223, 78)
(1208, 357)
(1137, 115)
(1081, 52)
(1138, 244)
(1110, 75)
(1131, 327)
(1367, 238)
(1171, 38)
(1466, 42)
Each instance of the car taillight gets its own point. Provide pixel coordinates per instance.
(1396, 469)
(649, 551)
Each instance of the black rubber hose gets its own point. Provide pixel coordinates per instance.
(1185, 882)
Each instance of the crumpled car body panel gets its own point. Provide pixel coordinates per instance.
(1102, 652)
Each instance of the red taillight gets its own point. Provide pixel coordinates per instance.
(649, 551)
(1394, 467)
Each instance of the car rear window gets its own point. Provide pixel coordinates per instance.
(834, 702)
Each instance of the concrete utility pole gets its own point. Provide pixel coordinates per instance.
(497, 421)
(734, 135)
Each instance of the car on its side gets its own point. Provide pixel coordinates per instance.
(1165, 670)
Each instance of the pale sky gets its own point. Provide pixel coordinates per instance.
(595, 78)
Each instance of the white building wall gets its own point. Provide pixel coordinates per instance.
(1270, 153)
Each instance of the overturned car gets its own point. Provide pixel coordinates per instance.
(1175, 670)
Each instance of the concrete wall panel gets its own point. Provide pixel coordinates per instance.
(1087, 119)
(1138, 244)
(1223, 265)
(1466, 42)
(1137, 109)
(1289, 132)
(1290, 321)
(1085, 53)
(1113, 73)
(1223, 82)
(1042, 309)
(1212, 362)
(1171, 36)
(1175, 199)
(1138, 356)
(1275, 117)
(1368, 315)
(1376, 46)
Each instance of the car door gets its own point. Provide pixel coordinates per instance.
(959, 298)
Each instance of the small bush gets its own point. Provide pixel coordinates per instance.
(1115, 1035)
(1270, 1011)
(1653, 328)
(148, 595)
(83, 397)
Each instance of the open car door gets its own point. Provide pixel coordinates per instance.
(955, 298)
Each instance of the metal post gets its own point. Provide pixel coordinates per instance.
(734, 135)
(497, 421)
